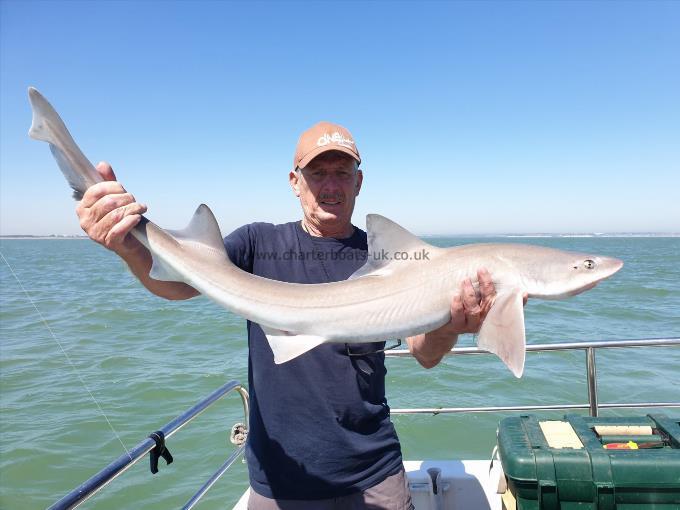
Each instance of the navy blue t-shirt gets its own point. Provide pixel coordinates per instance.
(319, 424)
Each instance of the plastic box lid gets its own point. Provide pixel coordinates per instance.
(605, 477)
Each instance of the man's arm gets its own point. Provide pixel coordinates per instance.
(107, 214)
(467, 313)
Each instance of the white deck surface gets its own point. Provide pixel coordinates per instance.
(462, 484)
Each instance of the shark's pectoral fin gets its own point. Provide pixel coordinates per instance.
(502, 331)
(287, 346)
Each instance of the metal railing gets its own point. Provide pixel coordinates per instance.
(593, 405)
(88, 489)
(124, 462)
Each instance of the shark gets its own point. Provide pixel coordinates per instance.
(389, 297)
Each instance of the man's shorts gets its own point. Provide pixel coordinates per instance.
(390, 494)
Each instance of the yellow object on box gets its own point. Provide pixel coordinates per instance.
(630, 445)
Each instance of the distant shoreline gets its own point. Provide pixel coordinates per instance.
(42, 237)
(430, 236)
(571, 235)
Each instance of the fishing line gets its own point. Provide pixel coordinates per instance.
(73, 367)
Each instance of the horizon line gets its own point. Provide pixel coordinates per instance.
(459, 235)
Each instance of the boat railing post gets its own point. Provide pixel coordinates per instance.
(592, 380)
(592, 406)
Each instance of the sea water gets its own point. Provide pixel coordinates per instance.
(91, 363)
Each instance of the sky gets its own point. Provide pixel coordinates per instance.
(471, 118)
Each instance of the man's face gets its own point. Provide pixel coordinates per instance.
(327, 188)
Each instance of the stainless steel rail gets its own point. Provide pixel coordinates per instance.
(591, 375)
(213, 479)
(85, 491)
(124, 462)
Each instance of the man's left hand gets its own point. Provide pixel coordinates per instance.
(469, 310)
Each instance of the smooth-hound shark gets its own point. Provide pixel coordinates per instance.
(384, 299)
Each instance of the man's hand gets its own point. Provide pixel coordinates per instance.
(468, 310)
(108, 213)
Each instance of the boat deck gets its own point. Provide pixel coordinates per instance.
(444, 484)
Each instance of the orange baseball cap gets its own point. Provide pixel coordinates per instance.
(322, 137)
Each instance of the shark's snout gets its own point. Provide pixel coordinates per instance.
(611, 266)
(607, 267)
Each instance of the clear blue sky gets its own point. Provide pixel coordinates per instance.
(471, 117)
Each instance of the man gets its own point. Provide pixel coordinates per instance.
(320, 432)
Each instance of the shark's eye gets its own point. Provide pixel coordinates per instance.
(589, 264)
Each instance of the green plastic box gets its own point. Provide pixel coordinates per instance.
(543, 477)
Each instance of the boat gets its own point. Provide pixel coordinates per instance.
(435, 484)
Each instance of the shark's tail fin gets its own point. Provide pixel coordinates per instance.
(48, 127)
(42, 110)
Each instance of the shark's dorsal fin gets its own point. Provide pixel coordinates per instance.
(202, 233)
(386, 239)
(202, 229)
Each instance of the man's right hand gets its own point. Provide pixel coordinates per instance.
(108, 213)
